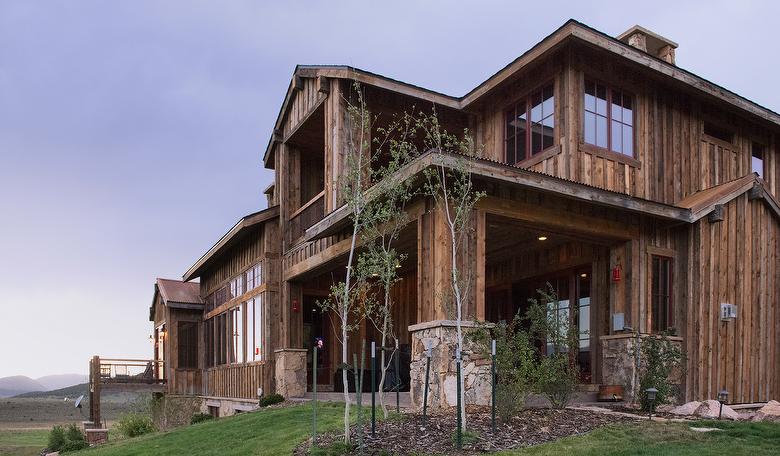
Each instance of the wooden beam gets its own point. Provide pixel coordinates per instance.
(716, 215)
(297, 83)
(323, 84)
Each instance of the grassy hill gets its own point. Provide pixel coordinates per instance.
(264, 432)
(70, 391)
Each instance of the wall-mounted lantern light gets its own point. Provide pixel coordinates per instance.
(616, 273)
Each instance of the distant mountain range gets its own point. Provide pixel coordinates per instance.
(20, 384)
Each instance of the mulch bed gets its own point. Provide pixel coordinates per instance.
(531, 427)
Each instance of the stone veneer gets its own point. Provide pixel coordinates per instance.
(441, 335)
(618, 362)
(290, 372)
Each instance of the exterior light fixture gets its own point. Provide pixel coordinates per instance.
(723, 397)
(151, 339)
(616, 273)
(651, 395)
(295, 306)
(398, 265)
(542, 238)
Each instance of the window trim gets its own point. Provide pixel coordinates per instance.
(532, 158)
(607, 152)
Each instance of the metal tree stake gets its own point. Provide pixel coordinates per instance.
(427, 376)
(493, 402)
(459, 436)
(373, 388)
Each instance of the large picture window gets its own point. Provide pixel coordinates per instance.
(609, 118)
(530, 126)
(661, 294)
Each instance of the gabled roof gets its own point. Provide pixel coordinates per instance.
(175, 292)
(572, 29)
(242, 226)
(704, 201)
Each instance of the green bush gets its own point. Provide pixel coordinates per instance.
(201, 417)
(66, 439)
(271, 399)
(660, 357)
(135, 424)
(56, 438)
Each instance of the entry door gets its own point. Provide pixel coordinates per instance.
(314, 328)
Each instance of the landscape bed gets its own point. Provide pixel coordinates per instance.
(408, 435)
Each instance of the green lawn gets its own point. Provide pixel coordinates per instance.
(265, 432)
(734, 439)
(27, 442)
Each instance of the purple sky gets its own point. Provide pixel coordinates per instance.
(131, 132)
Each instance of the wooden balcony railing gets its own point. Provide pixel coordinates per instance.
(306, 216)
(143, 371)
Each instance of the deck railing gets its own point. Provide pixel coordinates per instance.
(309, 214)
(148, 371)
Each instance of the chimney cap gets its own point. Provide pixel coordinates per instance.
(654, 41)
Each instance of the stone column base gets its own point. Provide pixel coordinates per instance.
(441, 335)
(290, 372)
(96, 436)
(619, 362)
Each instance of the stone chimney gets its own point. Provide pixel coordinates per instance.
(650, 42)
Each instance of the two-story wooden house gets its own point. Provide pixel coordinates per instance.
(645, 194)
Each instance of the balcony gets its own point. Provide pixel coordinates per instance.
(306, 216)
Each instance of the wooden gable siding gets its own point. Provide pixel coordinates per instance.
(673, 158)
(735, 261)
(247, 252)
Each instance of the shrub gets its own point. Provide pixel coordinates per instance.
(660, 357)
(56, 438)
(201, 417)
(271, 399)
(66, 439)
(515, 365)
(135, 424)
(557, 373)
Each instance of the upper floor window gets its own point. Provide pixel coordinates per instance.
(530, 125)
(757, 159)
(661, 294)
(609, 118)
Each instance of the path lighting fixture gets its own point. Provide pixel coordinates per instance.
(151, 339)
(542, 238)
(723, 397)
(651, 394)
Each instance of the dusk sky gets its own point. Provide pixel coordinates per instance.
(132, 132)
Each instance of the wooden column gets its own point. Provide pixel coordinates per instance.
(94, 391)
(434, 264)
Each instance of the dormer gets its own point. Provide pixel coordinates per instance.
(650, 42)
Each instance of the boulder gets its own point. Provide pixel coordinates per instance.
(686, 409)
(769, 412)
(711, 409)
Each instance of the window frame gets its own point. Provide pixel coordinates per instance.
(670, 310)
(607, 151)
(753, 145)
(526, 96)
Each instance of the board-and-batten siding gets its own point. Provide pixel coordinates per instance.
(673, 158)
(735, 261)
(239, 257)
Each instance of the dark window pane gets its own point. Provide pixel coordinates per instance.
(536, 107)
(628, 110)
(601, 100)
(536, 138)
(548, 105)
(757, 159)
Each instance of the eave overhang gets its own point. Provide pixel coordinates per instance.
(227, 239)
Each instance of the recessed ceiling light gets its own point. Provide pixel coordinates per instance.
(583, 275)
(542, 238)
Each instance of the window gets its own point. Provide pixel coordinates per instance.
(609, 118)
(237, 286)
(757, 159)
(188, 344)
(718, 132)
(254, 336)
(661, 294)
(253, 277)
(221, 296)
(237, 326)
(524, 139)
(209, 339)
(558, 313)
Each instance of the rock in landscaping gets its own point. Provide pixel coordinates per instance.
(686, 409)
(769, 412)
(711, 409)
